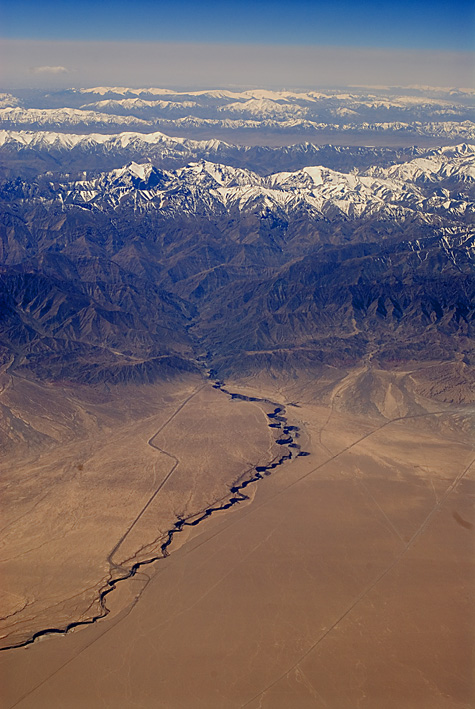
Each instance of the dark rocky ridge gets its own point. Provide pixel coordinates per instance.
(339, 306)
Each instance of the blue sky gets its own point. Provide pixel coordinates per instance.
(416, 24)
(184, 43)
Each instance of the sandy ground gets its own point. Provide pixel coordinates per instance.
(346, 583)
(79, 512)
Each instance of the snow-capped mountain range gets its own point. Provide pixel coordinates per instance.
(413, 112)
(434, 189)
(65, 117)
(267, 117)
(120, 248)
(132, 145)
(50, 140)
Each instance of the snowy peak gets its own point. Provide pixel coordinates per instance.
(456, 163)
(213, 174)
(138, 176)
(264, 108)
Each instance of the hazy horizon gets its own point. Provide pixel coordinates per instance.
(271, 43)
(62, 64)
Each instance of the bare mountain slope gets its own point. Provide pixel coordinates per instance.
(141, 268)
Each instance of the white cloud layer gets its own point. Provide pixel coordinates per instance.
(49, 70)
(206, 65)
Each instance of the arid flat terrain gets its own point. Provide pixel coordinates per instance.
(345, 580)
(79, 513)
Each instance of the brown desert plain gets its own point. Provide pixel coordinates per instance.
(339, 579)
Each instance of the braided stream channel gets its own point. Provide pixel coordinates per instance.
(291, 449)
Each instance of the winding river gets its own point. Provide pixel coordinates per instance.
(287, 438)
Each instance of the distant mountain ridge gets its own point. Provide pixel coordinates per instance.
(29, 153)
(409, 114)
